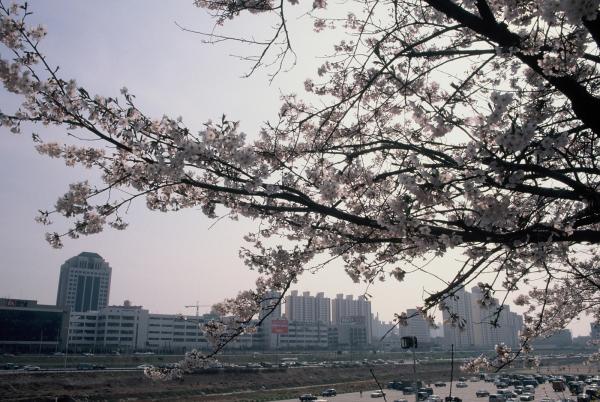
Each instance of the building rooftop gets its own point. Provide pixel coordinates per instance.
(89, 254)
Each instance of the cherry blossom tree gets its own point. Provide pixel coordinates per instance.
(435, 125)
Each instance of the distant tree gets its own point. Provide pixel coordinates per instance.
(470, 125)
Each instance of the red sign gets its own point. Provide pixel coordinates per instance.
(279, 327)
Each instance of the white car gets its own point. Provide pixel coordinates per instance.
(377, 394)
(145, 366)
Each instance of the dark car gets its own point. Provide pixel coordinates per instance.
(558, 386)
(422, 396)
(99, 367)
(427, 390)
(440, 384)
(408, 391)
(394, 385)
(308, 397)
(329, 392)
(10, 366)
(481, 393)
(85, 366)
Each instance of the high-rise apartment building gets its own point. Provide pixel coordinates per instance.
(493, 325)
(342, 308)
(469, 323)
(307, 308)
(595, 330)
(84, 283)
(458, 322)
(270, 307)
(416, 326)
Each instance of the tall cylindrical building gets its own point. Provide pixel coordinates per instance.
(84, 283)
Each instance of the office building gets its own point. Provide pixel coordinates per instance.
(381, 328)
(29, 327)
(84, 283)
(130, 328)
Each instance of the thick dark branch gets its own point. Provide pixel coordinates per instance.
(585, 105)
(593, 27)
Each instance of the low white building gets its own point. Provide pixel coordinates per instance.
(132, 328)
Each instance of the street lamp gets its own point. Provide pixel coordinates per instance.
(69, 336)
(410, 342)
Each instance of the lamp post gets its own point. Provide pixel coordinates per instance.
(69, 336)
(67, 342)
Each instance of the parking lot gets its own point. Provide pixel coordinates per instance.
(466, 394)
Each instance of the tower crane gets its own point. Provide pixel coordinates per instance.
(197, 307)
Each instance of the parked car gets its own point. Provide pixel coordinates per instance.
(558, 386)
(440, 384)
(377, 394)
(85, 366)
(308, 397)
(400, 400)
(526, 397)
(481, 393)
(329, 392)
(434, 398)
(408, 391)
(10, 366)
(422, 396)
(496, 398)
(461, 384)
(427, 390)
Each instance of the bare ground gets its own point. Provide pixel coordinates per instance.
(259, 385)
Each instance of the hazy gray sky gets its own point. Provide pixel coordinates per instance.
(162, 261)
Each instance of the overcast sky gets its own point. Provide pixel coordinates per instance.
(162, 261)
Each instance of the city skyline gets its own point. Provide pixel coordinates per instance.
(182, 257)
(291, 299)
